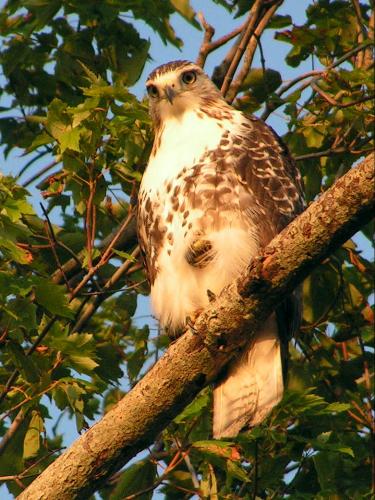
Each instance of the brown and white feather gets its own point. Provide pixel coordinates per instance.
(218, 187)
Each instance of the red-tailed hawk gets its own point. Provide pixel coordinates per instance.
(218, 187)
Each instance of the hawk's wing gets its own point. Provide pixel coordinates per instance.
(272, 197)
(267, 169)
(150, 233)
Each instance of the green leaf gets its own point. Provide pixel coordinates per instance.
(60, 125)
(78, 349)
(326, 468)
(23, 313)
(235, 470)
(124, 255)
(135, 361)
(69, 139)
(40, 140)
(217, 452)
(319, 291)
(12, 251)
(108, 367)
(208, 484)
(338, 407)
(95, 253)
(82, 363)
(134, 479)
(262, 82)
(25, 364)
(128, 302)
(70, 394)
(314, 136)
(195, 408)
(31, 444)
(184, 8)
(52, 297)
(16, 208)
(280, 21)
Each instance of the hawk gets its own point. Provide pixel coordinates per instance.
(218, 187)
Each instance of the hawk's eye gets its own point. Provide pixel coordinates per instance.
(189, 77)
(152, 91)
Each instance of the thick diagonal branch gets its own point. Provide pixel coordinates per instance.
(198, 356)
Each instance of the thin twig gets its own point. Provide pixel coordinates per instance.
(128, 237)
(59, 175)
(53, 243)
(26, 400)
(92, 306)
(70, 252)
(250, 51)
(333, 101)
(369, 54)
(209, 32)
(116, 290)
(366, 418)
(189, 465)
(104, 258)
(31, 349)
(39, 173)
(250, 26)
(13, 428)
(329, 152)
(31, 161)
(361, 33)
(176, 460)
(272, 107)
(24, 474)
(88, 221)
(207, 45)
(255, 471)
(294, 81)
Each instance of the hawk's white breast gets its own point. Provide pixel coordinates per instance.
(185, 138)
(179, 288)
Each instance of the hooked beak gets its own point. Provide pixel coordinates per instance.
(170, 94)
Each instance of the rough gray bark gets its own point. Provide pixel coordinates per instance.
(196, 358)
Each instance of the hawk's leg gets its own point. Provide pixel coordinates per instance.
(176, 332)
(200, 253)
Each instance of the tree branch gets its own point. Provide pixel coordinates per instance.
(125, 235)
(334, 102)
(208, 45)
(91, 307)
(250, 51)
(248, 32)
(197, 357)
(270, 108)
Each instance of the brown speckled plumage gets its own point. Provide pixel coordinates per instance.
(219, 186)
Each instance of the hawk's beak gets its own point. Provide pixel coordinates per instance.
(170, 94)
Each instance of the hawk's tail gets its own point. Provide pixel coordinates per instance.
(252, 386)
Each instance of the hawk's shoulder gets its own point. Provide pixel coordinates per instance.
(266, 168)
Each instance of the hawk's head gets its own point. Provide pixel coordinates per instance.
(179, 86)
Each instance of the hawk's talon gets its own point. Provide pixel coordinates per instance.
(200, 253)
(190, 324)
(190, 321)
